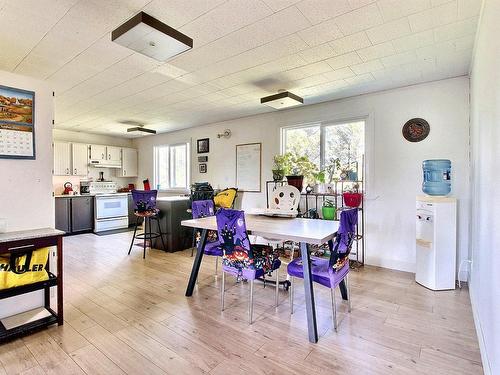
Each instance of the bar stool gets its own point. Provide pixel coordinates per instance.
(145, 207)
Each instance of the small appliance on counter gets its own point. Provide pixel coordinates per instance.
(68, 188)
(84, 187)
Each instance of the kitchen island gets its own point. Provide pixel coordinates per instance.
(173, 209)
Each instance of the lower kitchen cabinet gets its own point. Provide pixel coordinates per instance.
(75, 214)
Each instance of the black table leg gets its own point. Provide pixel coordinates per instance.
(197, 263)
(309, 293)
(343, 290)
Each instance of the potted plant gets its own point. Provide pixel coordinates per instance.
(353, 198)
(278, 167)
(319, 178)
(299, 169)
(329, 210)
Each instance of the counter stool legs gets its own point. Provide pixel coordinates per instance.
(290, 293)
(145, 236)
(161, 234)
(133, 237)
(222, 290)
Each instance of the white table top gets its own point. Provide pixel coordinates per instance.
(29, 234)
(313, 231)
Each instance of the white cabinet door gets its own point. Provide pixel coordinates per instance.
(80, 159)
(114, 153)
(98, 152)
(129, 162)
(62, 159)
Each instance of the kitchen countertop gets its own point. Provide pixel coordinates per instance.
(29, 234)
(88, 195)
(172, 198)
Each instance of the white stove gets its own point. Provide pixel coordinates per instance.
(111, 208)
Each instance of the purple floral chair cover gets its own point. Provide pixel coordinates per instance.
(241, 258)
(205, 208)
(330, 272)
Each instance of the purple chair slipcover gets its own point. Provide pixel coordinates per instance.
(206, 208)
(145, 207)
(242, 259)
(330, 272)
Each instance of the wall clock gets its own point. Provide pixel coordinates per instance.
(416, 130)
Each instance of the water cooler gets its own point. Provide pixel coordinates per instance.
(436, 247)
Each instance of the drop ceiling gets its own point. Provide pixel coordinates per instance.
(243, 50)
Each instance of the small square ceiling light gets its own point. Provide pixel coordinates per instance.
(281, 100)
(151, 37)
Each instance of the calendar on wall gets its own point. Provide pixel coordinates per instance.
(17, 126)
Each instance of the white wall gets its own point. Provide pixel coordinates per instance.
(26, 185)
(394, 165)
(485, 229)
(98, 139)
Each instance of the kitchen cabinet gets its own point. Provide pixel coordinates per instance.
(98, 152)
(113, 153)
(129, 162)
(172, 211)
(62, 159)
(74, 214)
(80, 159)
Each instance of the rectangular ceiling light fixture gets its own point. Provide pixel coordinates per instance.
(139, 130)
(151, 37)
(281, 100)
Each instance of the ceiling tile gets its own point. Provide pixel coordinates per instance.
(354, 4)
(399, 59)
(359, 19)
(394, 9)
(468, 8)
(376, 51)
(321, 33)
(414, 41)
(350, 43)
(434, 17)
(318, 11)
(342, 61)
(339, 74)
(318, 53)
(367, 67)
(277, 5)
(389, 31)
(455, 30)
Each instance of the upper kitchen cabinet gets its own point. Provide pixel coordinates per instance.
(114, 154)
(98, 152)
(80, 159)
(105, 156)
(129, 162)
(62, 159)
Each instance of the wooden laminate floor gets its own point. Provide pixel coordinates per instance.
(126, 315)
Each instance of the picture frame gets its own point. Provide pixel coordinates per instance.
(17, 123)
(202, 159)
(249, 167)
(203, 145)
(203, 168)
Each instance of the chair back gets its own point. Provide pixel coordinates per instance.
(203, 208)
(345, 236)
(286, 197)
(226, 198)
(144, 200)
(201, 191)
(232, 231)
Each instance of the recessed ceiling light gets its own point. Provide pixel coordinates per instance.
(140, 129)
(151, 37)
(281, 100)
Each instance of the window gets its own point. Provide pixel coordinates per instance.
(171, 166)
(325, 142)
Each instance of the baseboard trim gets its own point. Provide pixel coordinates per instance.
(479, 333)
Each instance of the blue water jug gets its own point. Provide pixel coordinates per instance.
(437, 177)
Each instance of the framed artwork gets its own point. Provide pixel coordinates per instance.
(202, 159)
(203, 168)
(17, 123)
(416, 130)
(203, 145)
(249, 167)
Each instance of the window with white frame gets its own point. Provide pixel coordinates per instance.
(171, 166)
(324, 143)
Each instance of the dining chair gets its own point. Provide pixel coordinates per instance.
(145, 208)
(205, 208)
(330, 272)
(241, 258)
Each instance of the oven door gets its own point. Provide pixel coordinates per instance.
(109, 206)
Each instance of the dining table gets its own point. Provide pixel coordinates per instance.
(306, 232)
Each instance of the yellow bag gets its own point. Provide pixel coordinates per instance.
(23, 269)
(225, 198)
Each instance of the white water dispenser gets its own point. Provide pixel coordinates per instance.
(436, 242)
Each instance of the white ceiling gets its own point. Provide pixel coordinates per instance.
(243, 50)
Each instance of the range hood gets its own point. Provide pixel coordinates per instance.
(98, 163)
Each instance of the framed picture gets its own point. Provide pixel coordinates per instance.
(17, 123)
(202, 159)
(249, 167)
(203, 146)
(203, 168)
